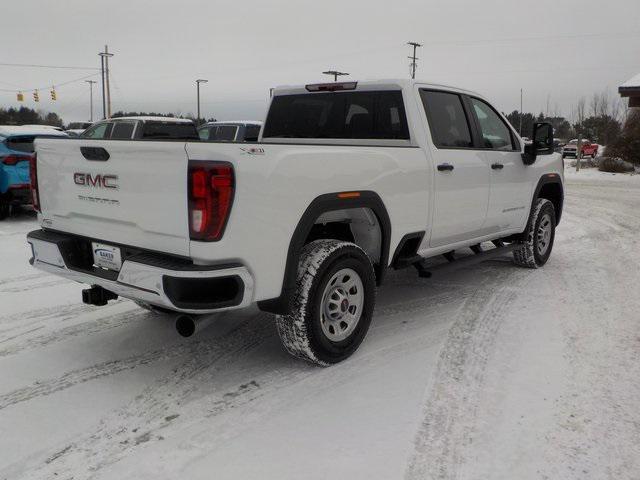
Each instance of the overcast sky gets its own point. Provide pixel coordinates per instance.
(556, 50)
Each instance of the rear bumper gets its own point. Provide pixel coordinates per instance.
(149, 277)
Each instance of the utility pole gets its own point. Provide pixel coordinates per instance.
(198, 82)
(91, 82)
(579, 149)
(413, 58)
(335, 74)
(106, 110)
(520, 129)
(104, 103)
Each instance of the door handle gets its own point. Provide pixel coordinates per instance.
(445, 167)
(497, 166)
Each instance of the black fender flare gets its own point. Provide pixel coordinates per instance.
(546, 179)
(322, 204)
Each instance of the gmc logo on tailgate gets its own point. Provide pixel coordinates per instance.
(98, 180)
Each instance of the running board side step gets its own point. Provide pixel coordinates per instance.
(453, 263)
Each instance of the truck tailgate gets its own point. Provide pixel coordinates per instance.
(138, 196)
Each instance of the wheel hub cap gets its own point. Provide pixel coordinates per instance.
(543, 235)
(342, 303)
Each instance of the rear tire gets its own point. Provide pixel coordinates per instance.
(333, 304)
(538, 237)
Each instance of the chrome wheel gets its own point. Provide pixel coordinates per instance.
(341, 306)
(543, 235)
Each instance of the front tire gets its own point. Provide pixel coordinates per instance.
(333, 304)
(538, 237)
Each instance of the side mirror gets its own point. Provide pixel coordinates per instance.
(542, 143)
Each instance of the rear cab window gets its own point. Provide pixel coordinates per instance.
(21, 144)
(155, 130)
(367, 115)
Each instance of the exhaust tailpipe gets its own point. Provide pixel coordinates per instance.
(187, 325)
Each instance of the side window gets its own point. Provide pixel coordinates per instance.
(495, 133)
(447, 120)
(100, 131)
(122, 130)
(203, 133)
(223, 133)
(251, 133)
(391, 121)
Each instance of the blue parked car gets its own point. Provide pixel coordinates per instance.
(16, 147)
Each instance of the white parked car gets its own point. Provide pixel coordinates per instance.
(346, 181)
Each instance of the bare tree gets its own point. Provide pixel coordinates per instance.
(594, 104)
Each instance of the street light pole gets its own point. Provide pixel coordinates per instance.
(198, 82)
(91, 82)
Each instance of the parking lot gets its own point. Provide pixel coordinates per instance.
(489, 372)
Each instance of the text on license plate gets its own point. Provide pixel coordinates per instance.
(106, 256)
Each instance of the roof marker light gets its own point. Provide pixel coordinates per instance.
(331, 87)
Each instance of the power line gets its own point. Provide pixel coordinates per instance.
(534, 38)
(29, 65)
(49, 85)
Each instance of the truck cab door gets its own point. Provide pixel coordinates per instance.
(510, 190)
(462, 179)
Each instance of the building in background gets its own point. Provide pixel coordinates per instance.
(631, 89)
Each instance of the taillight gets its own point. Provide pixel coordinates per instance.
(211, 187)
(14, 159)
(33, 175)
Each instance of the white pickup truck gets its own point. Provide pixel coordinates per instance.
(346, 180)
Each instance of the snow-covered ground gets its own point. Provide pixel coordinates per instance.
(492, 372)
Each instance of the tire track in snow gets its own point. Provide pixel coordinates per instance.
(21, 278)
(91, 327)
(144, 418)
(153, 409)
(36, 286)
(450, 411)
(188, 390)
(237, 340)
(20, 325)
